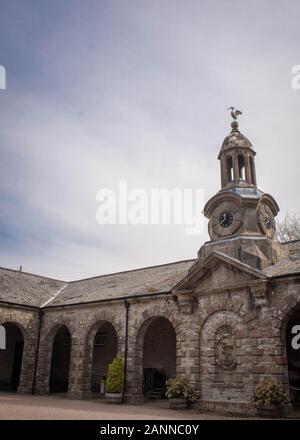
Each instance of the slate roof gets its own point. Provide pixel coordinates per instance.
(34, 290)
(235, 140)
(149, 280)
(27, 289)
(290, 265)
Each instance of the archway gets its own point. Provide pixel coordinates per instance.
(292, 336)
(60, 362)
(159, 357)
(11, 358)
(105, 348)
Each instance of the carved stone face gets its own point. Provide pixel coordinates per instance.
(225, 352)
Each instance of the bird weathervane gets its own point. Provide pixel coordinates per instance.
(234, 114)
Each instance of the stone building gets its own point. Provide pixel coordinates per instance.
(223, 320)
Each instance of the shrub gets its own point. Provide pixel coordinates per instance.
(268, 392)
(180, 388)
(115, 378)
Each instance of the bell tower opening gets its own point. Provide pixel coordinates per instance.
(229, 169)
(241, 162)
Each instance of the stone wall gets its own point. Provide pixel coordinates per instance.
(225, 341)
(27, 321)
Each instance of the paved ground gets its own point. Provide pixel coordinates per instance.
(27, 407)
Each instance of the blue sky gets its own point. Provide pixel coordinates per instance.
(109, 90)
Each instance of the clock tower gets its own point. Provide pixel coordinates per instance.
(241, 217)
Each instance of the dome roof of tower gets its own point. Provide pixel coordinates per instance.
(235, 140)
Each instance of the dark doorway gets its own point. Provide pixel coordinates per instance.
(105, 349)
(293, 356)
(11, 358)
(159, 357)
(60, 363)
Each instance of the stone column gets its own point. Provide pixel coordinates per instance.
(223, 172)
(80, 366)
(247, 169)
(134, 392)
(236, 173)
(28, 360)
(253, 173)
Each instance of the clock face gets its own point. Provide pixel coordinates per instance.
(225, 219)
(266, 220)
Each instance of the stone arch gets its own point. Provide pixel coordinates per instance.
(289, 332)
(99, 351)
(49, 330)
(225, 364)
(12, 358)
(60, 360)
(140, 331)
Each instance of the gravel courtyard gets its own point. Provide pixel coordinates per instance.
(27, 407)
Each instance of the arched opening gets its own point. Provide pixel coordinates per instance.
(105, 348)
(11, 358)
(293, 355)
(241, 163)
(60, 362)
(229, 169)
(159, 357)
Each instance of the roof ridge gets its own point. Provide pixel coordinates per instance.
(54, 296)
(31, 273)
(132, 270)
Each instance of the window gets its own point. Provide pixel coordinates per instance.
(100, 339)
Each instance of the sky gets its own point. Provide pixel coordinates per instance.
(104, 91)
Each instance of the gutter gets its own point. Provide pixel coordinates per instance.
(13, 304)
(285, 275)
(127, 307)
(99, 301)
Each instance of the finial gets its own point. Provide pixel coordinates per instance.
(234, 114)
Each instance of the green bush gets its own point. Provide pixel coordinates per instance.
(115, 378)
(268, 392)
(180, 388)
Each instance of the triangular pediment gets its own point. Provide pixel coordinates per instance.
(218, 271)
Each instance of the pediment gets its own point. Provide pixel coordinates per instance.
(218, 271)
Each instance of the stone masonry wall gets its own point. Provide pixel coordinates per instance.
(225, 341)
(27, 321)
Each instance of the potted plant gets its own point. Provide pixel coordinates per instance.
(180, 392)
(268, 396)
(115, 381)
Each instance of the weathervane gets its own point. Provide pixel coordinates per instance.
(234, 114)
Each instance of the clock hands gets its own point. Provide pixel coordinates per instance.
(223, 219)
